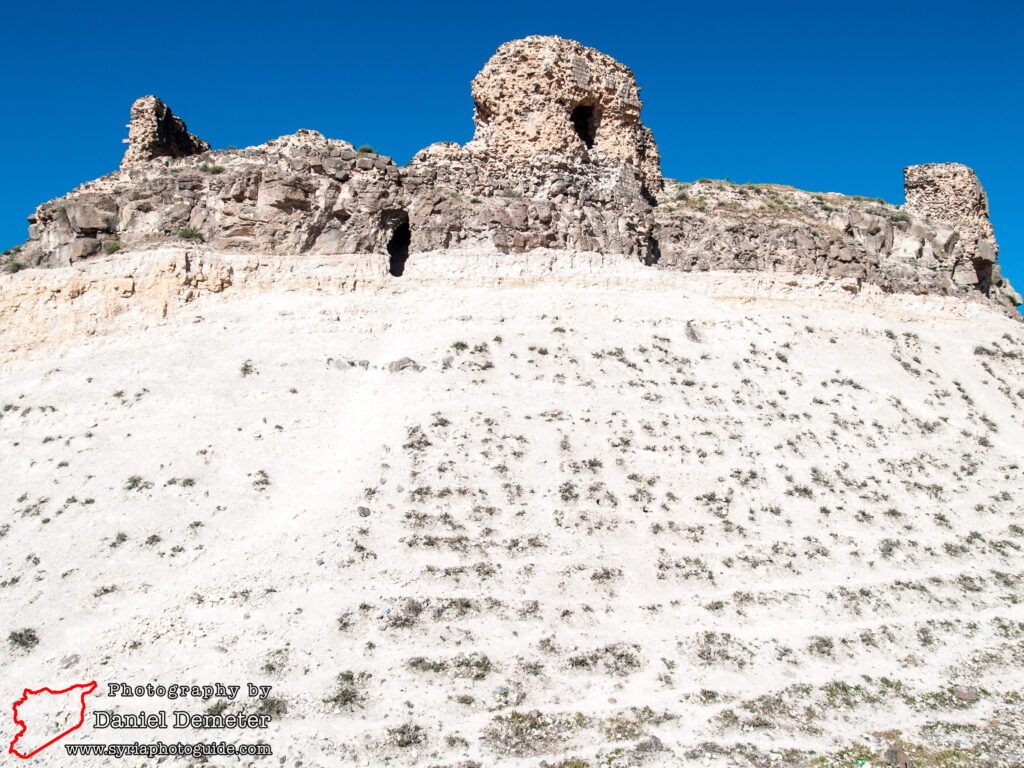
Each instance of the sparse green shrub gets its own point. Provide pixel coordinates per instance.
(407, 735)
(348, 693)
(274, 706)
(137, 483)
(26, 639)
(262, 481)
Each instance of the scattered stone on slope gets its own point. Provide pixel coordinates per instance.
(965, 693)
(405, 363)
(896, 757)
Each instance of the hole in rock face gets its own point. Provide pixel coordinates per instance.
(653, 255)
(483, 114)
(583, 123)
(398, 247)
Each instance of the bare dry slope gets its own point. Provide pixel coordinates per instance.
(621, 524)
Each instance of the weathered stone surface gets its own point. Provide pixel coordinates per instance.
(531, 180)
(951, 193)
(82, 248)
(715, 225)
(405, 363)
(895, 757)
(546, 95)
(965, 693)
(154, 131)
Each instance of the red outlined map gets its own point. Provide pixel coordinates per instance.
(84, 688)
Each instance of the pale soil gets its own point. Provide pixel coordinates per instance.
(759, 530)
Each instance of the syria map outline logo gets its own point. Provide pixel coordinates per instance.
(86, 688)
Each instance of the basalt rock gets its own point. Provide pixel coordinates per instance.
(560, 160)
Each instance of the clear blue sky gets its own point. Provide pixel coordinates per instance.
(821, 95)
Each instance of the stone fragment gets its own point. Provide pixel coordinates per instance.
(82, 248)
(650, 744)
(965, 692)
(896, 757)
(403, 364)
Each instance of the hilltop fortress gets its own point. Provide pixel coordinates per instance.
(518, 455)
(560, 163)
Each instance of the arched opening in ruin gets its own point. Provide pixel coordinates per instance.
(584, 123)
(398, 245)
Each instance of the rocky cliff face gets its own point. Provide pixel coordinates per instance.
(560, 160)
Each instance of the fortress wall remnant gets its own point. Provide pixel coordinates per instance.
(155, 131)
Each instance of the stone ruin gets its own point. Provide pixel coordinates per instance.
(951, 193)
(545, 96)
(154, 131)
(560, 160)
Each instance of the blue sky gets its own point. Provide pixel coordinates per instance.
(824, 96)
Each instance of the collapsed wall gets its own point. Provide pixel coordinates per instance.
(560, 160)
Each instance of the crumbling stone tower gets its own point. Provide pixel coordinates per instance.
(154, 131)
(951, 193)
(548, 98)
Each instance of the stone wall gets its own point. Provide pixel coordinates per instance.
(951, 193)
(549, 96)
(154, 131)
(532, 178)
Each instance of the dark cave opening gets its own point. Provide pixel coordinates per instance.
(398, 247)
(583, 123)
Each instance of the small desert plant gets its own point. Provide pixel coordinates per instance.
(137, 483)
(262, 481)
(23, 638)
(189, 233)
(406, 735)
(348, 693)
(365, 149)
(111, 248)
(273, 706)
